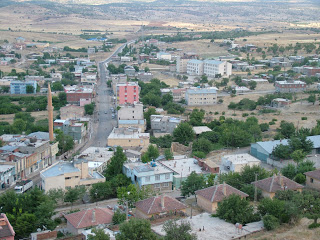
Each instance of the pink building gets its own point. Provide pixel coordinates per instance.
(127, 92)
(6, 230)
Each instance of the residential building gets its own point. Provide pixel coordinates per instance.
(141, 124)
(44, 235)
(6, 230)
(152, 174)
(88, 218)
(20, 87)
(74, 129)
(263, 150)
(56, 76)
(7, 175)
(76, 95)
(131, 112)
(71, 112)
(91, 50)
(164, 56)
(153, 42)
(236, 162)
(178, 94)
(128, 137)
(311, 71)
(182, 61)
(269, 186)
(145, 76)
(182, 167)
(144, 57)
(211, 68)
(89, 78)
(209, 198)
(313, 179)
(290, 86)
(117, 78)
(158, 205)
(128, 92)
(195, 67)
(69, 174)
(164, 124)
(201, 96)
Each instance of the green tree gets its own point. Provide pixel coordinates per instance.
(175, 231)
(312, 99)
(118, 217)
(101, 191)
(193, 183)
(298, 156)
(56, 194)
(66, 142)
(232, 178)
(289, 171)
(197, 117)
(248, 173)
(73, 194)
(184, 133)
(151, 154)
(305, 166)
(286, 129)
(309, 202)
(202, 145)
(30, 89)
(270, 222)
(115, 164)
(234, 209)
(147, 115)
(109, 82)
(168, 154)
(281, 151)
(300, 178)
(136, 229)
(146, 69)
(57, 86)
(252, 85)
(132, 193)
(167, 98)
(89, 108)
(25, 225)
(98, 234)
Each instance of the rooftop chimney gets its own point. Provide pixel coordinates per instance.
(224, 189)
(162, 202)
(93, 216)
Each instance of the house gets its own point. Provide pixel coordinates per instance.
(236, 162)
(56, 76)
(211, 68)
(117, 78)
(6, 230)
(195, 67)
(71, 112)
(290, 86)
(69, 174)
(263, 150)
(280, 102)
(128, 92)
(130, 111)
(182, 167)
(164, 124)
(269, 186)
(178, 94)
(152, 174)
(129, 71)
(79, 221)
(21, 87)
(201, 96)
(79, 95)
(44, 235)
(158, 205)
(145, 76)
(128, 137)
(313, 179)
(91, 50)
(89, 78)
(74, 129)
(164, 56)
(7, 173)
(208, 198)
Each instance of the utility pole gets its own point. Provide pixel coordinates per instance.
(255, 187)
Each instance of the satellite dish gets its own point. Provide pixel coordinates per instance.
(38, 229)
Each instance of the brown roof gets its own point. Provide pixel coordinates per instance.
(276, 183)
(85, 219)
(153, 205)
(218, 192)
(6, 229)
(314, 174)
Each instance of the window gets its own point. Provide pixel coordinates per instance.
(167, 175)
(157, 185)
(67, 178)
(165, 184)
(147, 179)
(157, 177)
(311, 180)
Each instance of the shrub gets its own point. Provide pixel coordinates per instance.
(314, 225)
(264, 127)
(252, 113)
(270, 222)
(223, 113)
(216, 113)
(234, 114)
(245, 114)
(118, 217)
(272, 123)
(304, 118)
(300, 178)
(199, 154)
(274, 120)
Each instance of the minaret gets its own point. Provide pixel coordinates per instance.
(50, 114)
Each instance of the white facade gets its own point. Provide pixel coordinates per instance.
(131, 112)
(164, 56)
(236, 162)
(195, 67)
(212, 67)
(181, 65)
(200, 97)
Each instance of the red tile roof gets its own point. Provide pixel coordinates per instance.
(218, 192)
(276, 183)
(85, 219)
(153, 205)
(313, 174)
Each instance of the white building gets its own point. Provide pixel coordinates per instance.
(201, 96)
(164, 56)
(212, 67)
(235, 163)
(195, 67)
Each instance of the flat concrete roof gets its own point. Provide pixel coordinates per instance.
(183, 166)
(214, 228)
(201, 129)
(240, 158)
(59, 169)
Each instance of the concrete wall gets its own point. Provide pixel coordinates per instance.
(315, 184)
(143, 142)
(206, 204)
(134, 112)
(53, 182)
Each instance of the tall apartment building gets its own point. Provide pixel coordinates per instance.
(131, 115)
(127, 92)
(20, 87)
(181, 64)
(195, 67)
(212, 67)
(164, 124)
(128, 137)
(74, 129)
(201, 96)
(79, 95)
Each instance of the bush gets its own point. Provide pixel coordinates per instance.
(274, 120)
(270, 222)
(300, 178)
(304, 118)
(199, 154)
(245, 114)
(223, 113)
(314, 225)
(216, 113)
(272, 123)
(118, 217)
(264, 127)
